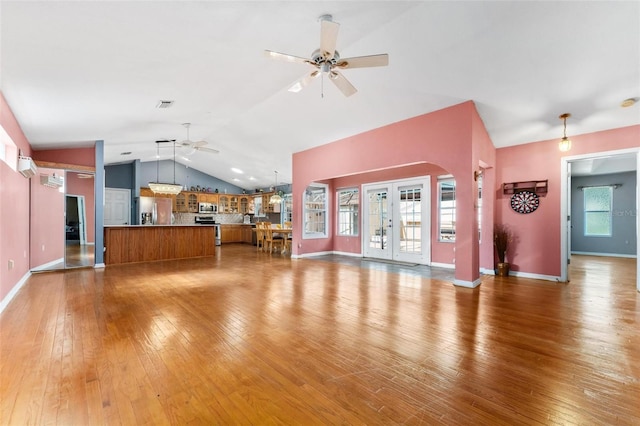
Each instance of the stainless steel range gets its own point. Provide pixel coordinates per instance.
(208, 220)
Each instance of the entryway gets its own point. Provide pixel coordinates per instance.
(396, 220)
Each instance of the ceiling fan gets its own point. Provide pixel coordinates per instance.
(326, 60)
(194, 146)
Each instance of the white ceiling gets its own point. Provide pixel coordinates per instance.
(75, 72)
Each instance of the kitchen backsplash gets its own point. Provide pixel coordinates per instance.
(189, 218)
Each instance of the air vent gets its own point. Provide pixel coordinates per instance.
(51, 181)
(164, 104)
(27, 167)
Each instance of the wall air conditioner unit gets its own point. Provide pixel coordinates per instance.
(27, 167)
(51, 181)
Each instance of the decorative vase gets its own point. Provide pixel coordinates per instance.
(503, 269)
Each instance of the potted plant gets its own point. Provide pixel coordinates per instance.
(502, 236)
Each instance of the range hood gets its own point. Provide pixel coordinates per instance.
(52, 181)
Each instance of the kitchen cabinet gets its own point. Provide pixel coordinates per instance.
(267, 206)
(208, 198)
(192, 202)
(223, 204)
(233, 204)
(181, 203)
(243, 204)
(236, 233)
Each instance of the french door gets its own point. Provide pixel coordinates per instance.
(396, 221)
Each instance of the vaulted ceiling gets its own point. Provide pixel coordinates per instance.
(75, 72)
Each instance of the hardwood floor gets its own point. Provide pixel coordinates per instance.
(252, 338)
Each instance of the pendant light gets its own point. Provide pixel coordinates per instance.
(275, 198)
(565, 143)
(165, 188)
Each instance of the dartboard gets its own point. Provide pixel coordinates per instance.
(525, 202)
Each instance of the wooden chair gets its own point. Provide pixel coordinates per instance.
(288, 237)
(270, 239)
(260, 236)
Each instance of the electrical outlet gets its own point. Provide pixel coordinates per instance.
(11, 263)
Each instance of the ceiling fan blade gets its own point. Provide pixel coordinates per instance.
(198, 144)
(203, 149)
(285, 57)
(303, 82)
(328, 37)
(364, 61)
(342, 83)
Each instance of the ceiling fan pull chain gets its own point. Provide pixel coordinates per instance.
(322, 85)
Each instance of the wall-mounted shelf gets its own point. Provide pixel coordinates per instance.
(535, 186)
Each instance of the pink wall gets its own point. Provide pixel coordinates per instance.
(536, 248)
(14, 208)
(74, 156)
(453, 139)
(47, 221)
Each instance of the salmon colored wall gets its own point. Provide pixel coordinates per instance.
(78, 186)
(536, 248)
(444, 138)
(47, 227)
(75, 156)
(14, 208)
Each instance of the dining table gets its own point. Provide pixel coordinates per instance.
(278, 229)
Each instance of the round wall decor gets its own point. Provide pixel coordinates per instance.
(525, 202)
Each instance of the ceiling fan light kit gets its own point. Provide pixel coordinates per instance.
(326, 60)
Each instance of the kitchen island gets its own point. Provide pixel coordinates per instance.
(145, 243)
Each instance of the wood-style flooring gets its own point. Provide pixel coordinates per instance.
(252, 338)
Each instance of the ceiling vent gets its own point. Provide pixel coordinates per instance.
(52, 181)
(27, 167)
(164, 104)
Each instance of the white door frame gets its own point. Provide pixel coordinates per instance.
(385, 230)
(565, 193)
(394, 219)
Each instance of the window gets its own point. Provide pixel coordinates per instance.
(315, 211)
(597, 211)
(348, 212)
(447, 209)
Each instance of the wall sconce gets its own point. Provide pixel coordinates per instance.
(565, 143)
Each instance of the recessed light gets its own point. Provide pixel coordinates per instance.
(252, 178)
(126, 153)
(236, 170)
(628, 102)
(236, 180)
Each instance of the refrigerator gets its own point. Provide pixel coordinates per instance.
(159, 208)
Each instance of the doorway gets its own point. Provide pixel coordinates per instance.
(396, 220)
(617, 161)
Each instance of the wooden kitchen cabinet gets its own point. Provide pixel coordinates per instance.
(181, 203)
(231, 233)
(243, 203)
(192, 202)
(223, 204)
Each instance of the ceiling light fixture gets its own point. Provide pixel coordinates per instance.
(565, 143)
(628, 102)
(275, 198)
(165, 188)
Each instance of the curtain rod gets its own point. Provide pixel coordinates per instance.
(614, 185)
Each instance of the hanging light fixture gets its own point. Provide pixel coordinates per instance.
(565, 143)
(165, 188)
(275, 198)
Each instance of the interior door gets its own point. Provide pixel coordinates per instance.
(568, 221)
(117, 206)
(378, 231)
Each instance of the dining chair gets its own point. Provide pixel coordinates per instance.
(287, 237)
(260, 236)
(272, 239)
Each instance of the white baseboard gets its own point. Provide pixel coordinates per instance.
(535, 276)
(588, 253)
(443, 265)
(468, 284)
(486, 271)
(48, 265)
(99, 265)
(16, 288)
(346, 253)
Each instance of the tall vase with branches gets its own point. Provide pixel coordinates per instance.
(502, 236)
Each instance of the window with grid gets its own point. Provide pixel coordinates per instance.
(315, 211)
(348, 212)
(597, 211)
(447, 209)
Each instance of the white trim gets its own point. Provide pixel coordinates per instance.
(48, 265)
(443, 265)
(345, 253)
(16, 288)
(486, 271)
(467, 284)
(99, 265)
(314, 254)
(536, 276)
(588, 253)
